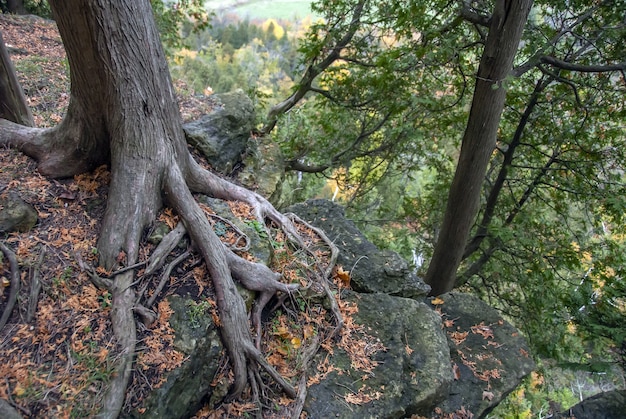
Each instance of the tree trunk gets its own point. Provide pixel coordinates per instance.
(16, 7)
(123, 111)
(507, 23)
(13, 104)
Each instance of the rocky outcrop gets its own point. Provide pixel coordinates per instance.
(222, 136)
(486, 356)
(182, 394)
(371, 269)
(413, 371)
(15, 214)
(608, 405)
(489, 356)
(454, 353)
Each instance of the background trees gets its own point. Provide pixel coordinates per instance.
(381, 107)
(375, 120)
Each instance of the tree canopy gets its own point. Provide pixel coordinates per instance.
(382, 107)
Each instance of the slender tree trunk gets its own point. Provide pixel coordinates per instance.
(13, 104)
(507, 23)
(16, 7)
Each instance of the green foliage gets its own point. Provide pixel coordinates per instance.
(237, 55)
(383, 123)
(38, 7)
(379, 128)
(171, 15)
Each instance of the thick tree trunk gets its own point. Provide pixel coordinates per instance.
(123, 112)
(13, 104)
(507, 23)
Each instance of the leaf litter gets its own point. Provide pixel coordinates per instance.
(58, 364)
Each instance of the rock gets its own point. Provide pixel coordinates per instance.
(15, 214)
(261, 248)
(264, 168)
(371, 269)
(182, 394)
(7, 411)
(222, 136)
(413, 373)
(608, 405)
(489, 355)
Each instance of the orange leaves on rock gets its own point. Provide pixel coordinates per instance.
(456, 371)
(437, 301)
(160, 354)
(483, 330)
(458, 337)
(362, 396)
(168, 217)
(341, 277)
(241, 210)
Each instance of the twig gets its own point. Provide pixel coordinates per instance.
(165, 276)
(242, 235)
(334, 251)
(304, 367)
(169, 242)
(98, 281)
(15, 284)
(35, 288)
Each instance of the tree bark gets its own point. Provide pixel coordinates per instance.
(507, 23)
(123, 112)
(13, 104)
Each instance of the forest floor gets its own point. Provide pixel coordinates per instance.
(56, 361)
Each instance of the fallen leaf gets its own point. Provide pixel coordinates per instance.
(456, 371)
(487, 395)
(296, 342)
(437, 301)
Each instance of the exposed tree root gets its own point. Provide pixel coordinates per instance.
(123, 300)
(15, 284)
(118, 247)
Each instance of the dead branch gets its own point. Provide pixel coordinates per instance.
(165, 276)
(15, 284)
(169, 242)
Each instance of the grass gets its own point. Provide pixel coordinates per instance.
(265, 9)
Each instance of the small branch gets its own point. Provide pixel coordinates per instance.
(165, 276)
(582, 68)
(308, 355)
(169, 242)
(97, 280)
(15, 284)
(256, 355)
(35, 288)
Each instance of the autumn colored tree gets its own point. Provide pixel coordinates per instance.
(123, 113)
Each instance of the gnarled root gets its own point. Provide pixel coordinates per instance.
(223, 265)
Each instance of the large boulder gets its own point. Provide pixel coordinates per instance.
(371, 269)
(222, 136)
(182, 393)
(608, 405)
(489, 356)
(15, 214)
(413, 371)
(263, 168)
